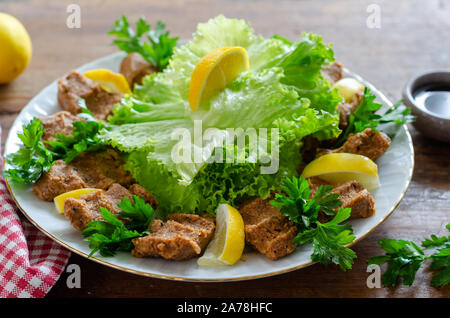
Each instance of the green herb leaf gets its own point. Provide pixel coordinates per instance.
(404, 259)
(37, 156)
(440, 259)
(399, 114)
(112, 235)
(282, 39)
(443, 278)
(28, 164)
(364, 116)
(159, 48)
(328, 202)
(436, 242)
(297, 205)
(328, 239)
(138, 211)
(109, 236)
(84, 137)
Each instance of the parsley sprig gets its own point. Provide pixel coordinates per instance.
(404, 259)
(37, 156)
(109, 236)
(364, 116)
(440, 259)
(328, 239)
(139, 213)
(84, 137)
(112, 235)
(33, 159)
(159, 46)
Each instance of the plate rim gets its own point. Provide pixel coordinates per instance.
(232, 279)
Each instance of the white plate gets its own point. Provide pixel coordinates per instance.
(395, 171)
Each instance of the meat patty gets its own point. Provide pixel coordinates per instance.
(315, 183)
(61, 122)
(181, 237)
(140, 191)
(346, 109)
(134, 67)
(266, 229)
(366, 143)
(333, 72)
(98, 101)
(87, 208)
(59, 179)
(352, 194)
(102, 169)
(272, 234)
(95, 170)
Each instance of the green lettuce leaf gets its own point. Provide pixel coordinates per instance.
(155, 100)
(214, 184)
(254, 99)
(216, 33)
(283, 89)
(302, 69)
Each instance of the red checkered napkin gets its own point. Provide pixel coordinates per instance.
(30, 262)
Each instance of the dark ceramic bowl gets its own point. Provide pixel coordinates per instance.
(433, 113)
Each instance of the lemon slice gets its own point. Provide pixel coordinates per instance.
(215, 71)
(76, 194)
(348, 87)
(109, 81)
(342, 167)
(228, 242)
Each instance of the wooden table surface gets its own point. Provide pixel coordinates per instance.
(413, 38)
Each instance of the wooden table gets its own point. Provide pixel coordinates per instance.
(413, 37)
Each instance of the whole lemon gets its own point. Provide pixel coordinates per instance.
(15, 48)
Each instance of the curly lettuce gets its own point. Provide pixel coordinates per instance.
(283, 89)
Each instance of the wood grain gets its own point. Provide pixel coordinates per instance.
(412, 39)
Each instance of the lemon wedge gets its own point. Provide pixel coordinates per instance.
(342, 167)
(215, 71)
(109, 81)
(228, 242)
(348, 87)
(76, 194)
